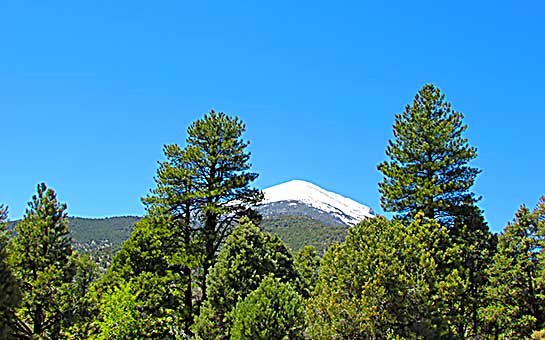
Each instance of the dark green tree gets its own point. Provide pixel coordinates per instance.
(307, 263)
(428, 171)
(201, 191)
(273, 311)
(247, 257)
(152, 263)
(472, 247)
(516, 293)
(219, 164)
(79, 303)
(428, 168)
(174, 198)
(10, 296)
(44, 265)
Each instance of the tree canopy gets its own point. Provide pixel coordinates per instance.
(516, 291)
(273, 311)
(247, 257)
(428, 168)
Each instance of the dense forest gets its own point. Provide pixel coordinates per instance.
(203, 264)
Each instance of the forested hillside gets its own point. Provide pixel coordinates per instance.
(101, 238)
(299, 231)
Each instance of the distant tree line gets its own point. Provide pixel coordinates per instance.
(198, 266)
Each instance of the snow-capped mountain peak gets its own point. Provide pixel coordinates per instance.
(294, 192)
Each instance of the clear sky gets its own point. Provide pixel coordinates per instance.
(90, 91)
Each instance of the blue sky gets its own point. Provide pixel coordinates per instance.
(90, 91)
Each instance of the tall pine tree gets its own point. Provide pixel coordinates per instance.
(201, 191)
(428, 172)
(428, 166)
(44, 265)
(219, 161)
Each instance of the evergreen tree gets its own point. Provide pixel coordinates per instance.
(307, 263)
(273, 311)
(201, 190)
(79, 300)
(472, 247)
(428, 167)
(247, 257)
(10, 296)
(174, 199)
(516, 291)
(218, 161)
(428, 171)
(44, 265)
(381, 282)
(152, 263)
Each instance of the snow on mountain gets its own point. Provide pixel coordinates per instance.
(294, 192)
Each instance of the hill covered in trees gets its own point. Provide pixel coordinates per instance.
(101, 238)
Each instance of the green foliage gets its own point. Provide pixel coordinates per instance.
(307, 263)
(218, 164)
(120, 318)
(381, 282)
(273, 311)
(79, 304)
(516, 291)
(428, 171)
(428, 167)
(202, 190)
(153, 262)
(471, 249)
(435, 271)
(54, 280)
(44, 264)
(247, 257)
(299, 231)
(10, 296)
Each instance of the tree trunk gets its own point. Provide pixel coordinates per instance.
(38, 320)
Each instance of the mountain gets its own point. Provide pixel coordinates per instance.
(299, 212)
(300, 198)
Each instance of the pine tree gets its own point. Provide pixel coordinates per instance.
(516, 292)
(174, 199)
(307, 263)
(273, 311)
(152, 263)
(201, 191)
(44, 264)
(79, 301)
(217, 158)
(428, 172)
(10, 296)
(247, 257)
(428, 168)
(472, 247)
